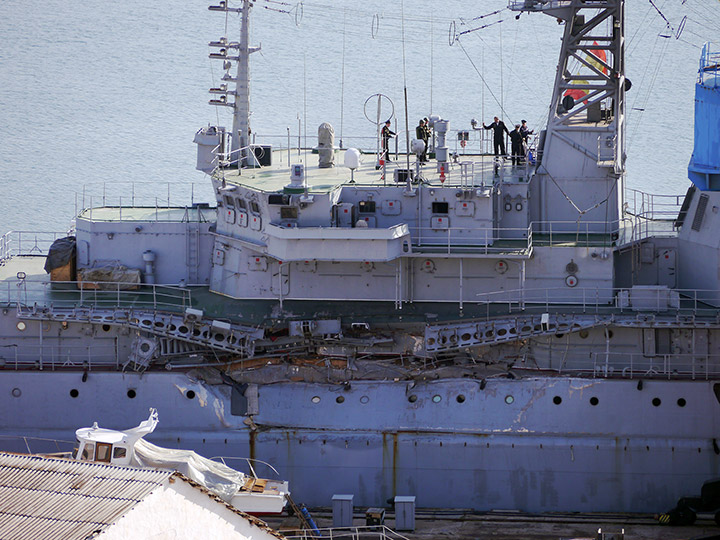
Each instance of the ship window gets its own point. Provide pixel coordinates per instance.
(276, 199)
(103, 452)
(254, 207)
(88, 452)
(288, 212)
(119, 452)
(229, 201)
(366, 207)
(440, 208)
(241, 204)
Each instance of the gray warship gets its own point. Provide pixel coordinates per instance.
(473, 332)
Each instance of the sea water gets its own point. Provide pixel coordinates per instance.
(100, 100)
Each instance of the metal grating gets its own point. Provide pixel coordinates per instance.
(700, 212)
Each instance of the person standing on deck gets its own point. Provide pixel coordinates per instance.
(422, 133)
(386, 134)
(516, 151)
(525, 132)
(498, 126)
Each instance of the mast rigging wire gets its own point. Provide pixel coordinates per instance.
(407, 123)
(483, 79)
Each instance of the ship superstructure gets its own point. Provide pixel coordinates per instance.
(470, 331)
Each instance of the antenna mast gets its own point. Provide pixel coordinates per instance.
(240, 137)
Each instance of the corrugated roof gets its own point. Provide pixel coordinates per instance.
(52, 498)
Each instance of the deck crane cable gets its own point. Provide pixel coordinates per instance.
(521, 79)
(655, 74)
(483, 79)
(432, 57)
(572, 203)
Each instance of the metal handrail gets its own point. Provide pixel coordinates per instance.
(382, 532)
(249, 462)
(22, 243)
(53, 355)
(73, 294)
(26, 439)
(599, 300)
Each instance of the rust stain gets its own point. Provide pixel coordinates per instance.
(395, 463)
(252, 444)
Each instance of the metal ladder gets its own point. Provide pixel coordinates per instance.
(298, 513)
(192, 259)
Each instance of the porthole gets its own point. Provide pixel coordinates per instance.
(583, 334)
(190, 394)
(437, 398)
(74, 393)
(315, 399)
(656, 402)
(340, 399)
(557, 400)
(21, 326)
(460, 399)
(412, 398)
(610, 334)
(131, 393)
(106, 327)
(364, 399)
(16, 392)
(509, 399)
(594, 401)
(681, 402)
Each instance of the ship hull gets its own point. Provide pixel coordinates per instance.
(533, 445)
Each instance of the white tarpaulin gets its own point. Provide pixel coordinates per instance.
(218, 478)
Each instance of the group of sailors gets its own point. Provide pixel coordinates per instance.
(518, 139)
(423, 132)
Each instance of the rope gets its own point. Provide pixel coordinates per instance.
(407, 121)
(483, 79)
(342, 88)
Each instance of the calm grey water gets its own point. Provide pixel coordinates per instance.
(96, 95)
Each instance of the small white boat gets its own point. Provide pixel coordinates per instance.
(246, 492)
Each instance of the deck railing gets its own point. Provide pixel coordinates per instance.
(599, 301)
(72, 294)
(632, 365)
(378, 532)
(37, 243)
(51, 354)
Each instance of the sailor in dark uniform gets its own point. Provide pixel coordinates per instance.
(517, 151)
(422, 132)
(498, 126)
(386, 133)
(525, 132)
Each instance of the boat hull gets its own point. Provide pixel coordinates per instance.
(508, 445)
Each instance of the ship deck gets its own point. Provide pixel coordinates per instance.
(36, 289)
(469, 170)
